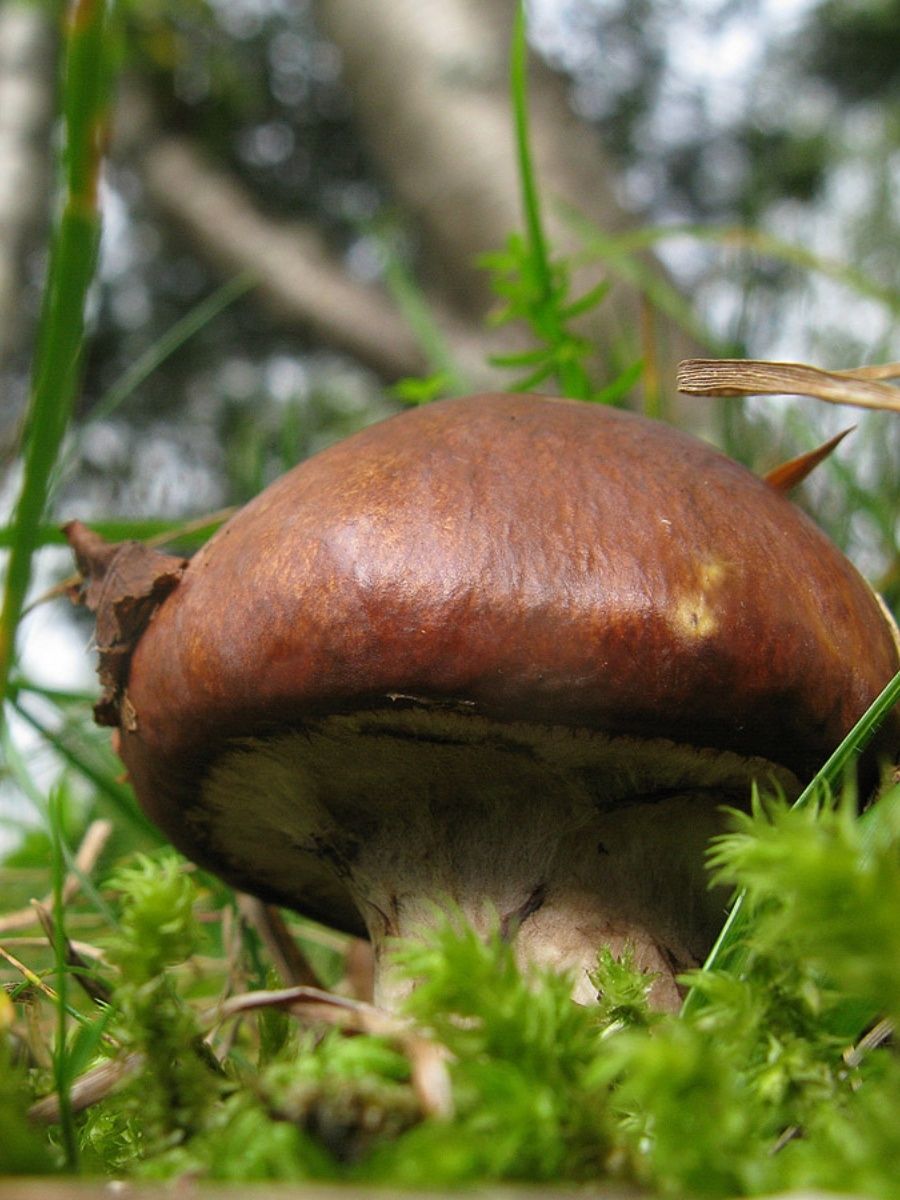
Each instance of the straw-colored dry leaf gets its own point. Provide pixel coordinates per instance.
(862, 387)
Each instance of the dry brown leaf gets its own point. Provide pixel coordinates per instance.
(790, 474)
(859, 386)
(123, 583)
(67, 586)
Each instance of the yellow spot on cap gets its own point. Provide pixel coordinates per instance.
(694, 614)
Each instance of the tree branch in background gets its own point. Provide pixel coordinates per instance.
(431, 83)
(298, 276)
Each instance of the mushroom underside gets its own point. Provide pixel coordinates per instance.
(569, 839)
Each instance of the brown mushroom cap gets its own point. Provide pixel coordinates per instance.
(487, 564)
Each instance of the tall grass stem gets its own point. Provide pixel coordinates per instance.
(73, 254)
(61, 1071)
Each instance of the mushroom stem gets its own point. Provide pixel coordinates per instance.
(632, 876)
(571, 840)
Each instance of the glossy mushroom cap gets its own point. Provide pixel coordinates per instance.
(540, 605)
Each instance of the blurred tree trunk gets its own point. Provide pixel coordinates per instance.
(300, 279)
(27, 83)
(431, 83)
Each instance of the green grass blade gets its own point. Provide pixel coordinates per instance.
(547, 303)
(729, 944)
(61, 1071)
(832, 773)
(588, 301)
(530, 202)
(187, 534)
(61, 697)
(173, 339)
(619, 255)
(619, 250)
(414, 306)
(163, 348)
(15, 769)
(117, 794)
(615, 392)
(18, 771)
(73, 256)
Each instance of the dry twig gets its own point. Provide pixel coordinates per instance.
(90, 1088)
(428, 1060)
(83, 973)
(289, 960)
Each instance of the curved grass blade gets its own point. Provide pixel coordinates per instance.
(116, 793)
(187, 534)
(413, 304)
(164, 347)
(546, 317)
(599, 245)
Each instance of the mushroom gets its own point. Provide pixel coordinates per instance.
(503, 653)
